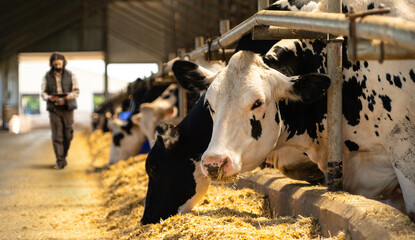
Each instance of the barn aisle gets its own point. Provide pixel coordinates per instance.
(39, 202)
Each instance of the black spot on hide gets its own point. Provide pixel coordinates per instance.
(352, 105)
(301, 118)
(389, 78)
(386, 102)
(356, 66)
(397, 81)
(371, 6)
(352, 146)
(256, 130)
(412, 75)
(117, 139)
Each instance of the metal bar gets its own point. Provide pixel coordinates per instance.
(391, 29)
(276, 33)
(372, 50)
(334, 107)
(219, 55)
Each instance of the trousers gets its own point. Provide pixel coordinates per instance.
(61, 123)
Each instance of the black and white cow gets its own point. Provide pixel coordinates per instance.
(162, 108)
(260, 104)
(175, 181)
(127, 137)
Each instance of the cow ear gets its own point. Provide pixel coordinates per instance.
(168, 133)
(136, 118)
(191, 76)
(310, 87)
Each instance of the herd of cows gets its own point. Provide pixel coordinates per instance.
(269, 101)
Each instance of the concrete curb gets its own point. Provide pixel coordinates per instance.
(362, 218)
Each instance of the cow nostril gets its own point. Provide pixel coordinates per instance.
(216, 170)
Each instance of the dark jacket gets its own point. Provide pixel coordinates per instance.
(51, 88)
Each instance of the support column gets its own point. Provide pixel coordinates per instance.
(334, 106)
(105, 48)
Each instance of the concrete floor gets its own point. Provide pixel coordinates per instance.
(39, 202)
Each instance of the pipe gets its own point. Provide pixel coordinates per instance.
(372, 50)
(276, 33)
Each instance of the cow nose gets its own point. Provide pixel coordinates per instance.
(215, 166)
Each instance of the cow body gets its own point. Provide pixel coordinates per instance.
(258, 106)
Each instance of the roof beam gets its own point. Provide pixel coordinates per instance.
(135, 43)
(150, 12)
(130, 21)
(143, 41)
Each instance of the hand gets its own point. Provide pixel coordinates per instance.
(53, 98)
(67, 97)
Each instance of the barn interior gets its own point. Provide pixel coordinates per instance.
(120, 31)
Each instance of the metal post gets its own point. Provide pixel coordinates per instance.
(224, 26)
(262, 4)
(199, 41)
(334, 106)
(105, 47)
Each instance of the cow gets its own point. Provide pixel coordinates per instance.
(163, 108)
(263, 104)
(127, 137)
(175, 181)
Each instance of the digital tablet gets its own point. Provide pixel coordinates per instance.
(61, 95)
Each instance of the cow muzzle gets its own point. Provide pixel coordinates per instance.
(217, 167)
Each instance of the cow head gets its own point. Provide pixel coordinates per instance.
(175, 182)
(127, 140)
(163, 108)
(243, 101)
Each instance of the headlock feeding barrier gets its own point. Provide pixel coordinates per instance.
(370, 37)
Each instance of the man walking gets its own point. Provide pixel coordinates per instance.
(60, 90)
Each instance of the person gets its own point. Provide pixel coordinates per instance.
(60, 90)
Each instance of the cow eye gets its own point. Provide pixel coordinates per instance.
(258, 103)
(207, 104)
